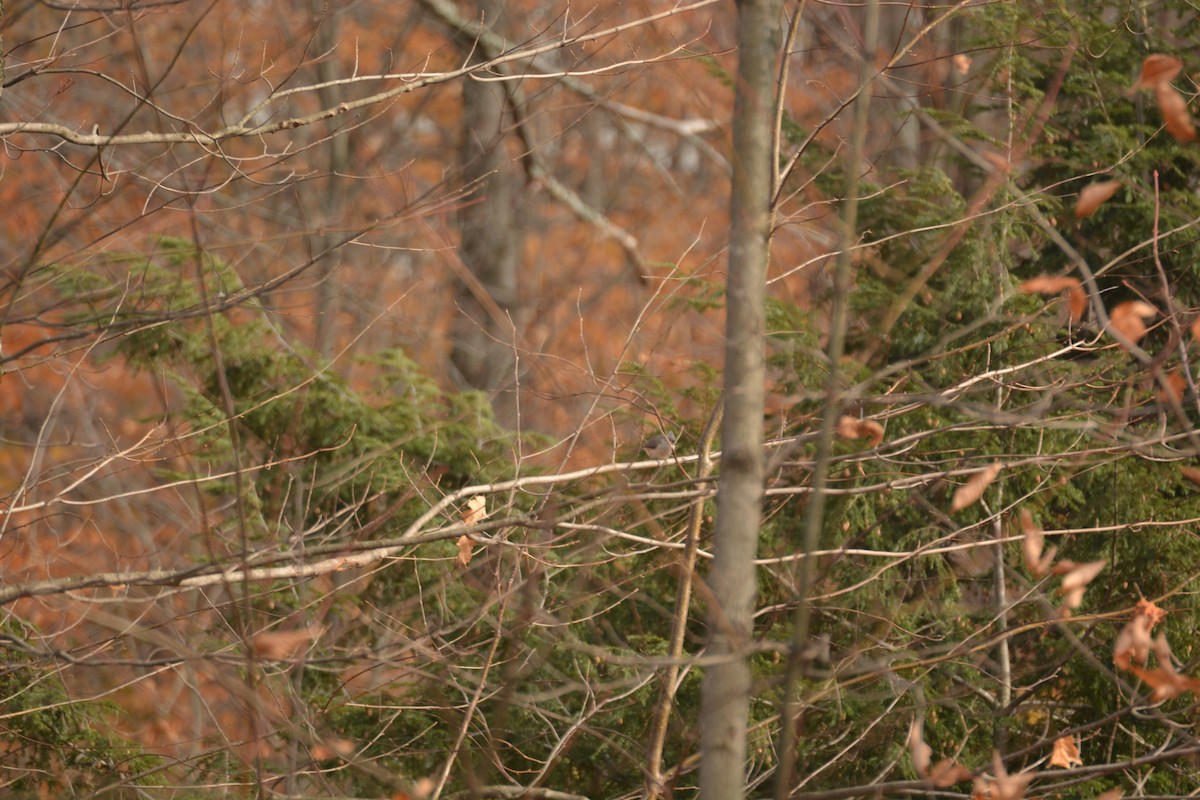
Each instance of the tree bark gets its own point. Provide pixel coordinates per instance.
(482, 351)
(726, 698)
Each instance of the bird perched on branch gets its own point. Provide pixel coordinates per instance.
(660, 445)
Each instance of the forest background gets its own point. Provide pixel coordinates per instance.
(332, 333)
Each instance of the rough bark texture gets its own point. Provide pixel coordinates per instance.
(739, 497)
(483, 352)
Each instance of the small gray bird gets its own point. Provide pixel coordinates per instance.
(660, 445)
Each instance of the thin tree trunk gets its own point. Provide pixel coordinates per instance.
(726, 699)
(482, 351)
(329, 288)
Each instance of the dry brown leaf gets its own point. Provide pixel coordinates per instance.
(1072, 598)
(1133, 642)
(476, 510)
(1191, 473)
(1157, 69)
(1003, 786)
(1065, 753)
(1081, 575)
(1149, 610)
(1111, 794)
(464, 550)
(849, 427)
(970, 492)
(278, 645)
(1051, 285)
(1129, 319)
(1174, 112)
(333, 748)
(920, 752)
(1172, 388)
(1163, 679)
(1093, 196)
(945, 772)
(948, 772)
(1032, 544)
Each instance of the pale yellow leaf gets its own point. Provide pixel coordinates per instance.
(476, 510)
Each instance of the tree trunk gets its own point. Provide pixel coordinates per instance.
(329, 288)
(482, 351)
(739, 498)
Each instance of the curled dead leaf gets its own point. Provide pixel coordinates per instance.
(970, 492)
(1164, 680)
(1129, 319)
(1133, 642)
(1065, 753)
(1032, 545)
(1093, 196)
(1002, 786)
(1051, 285)
(1157, 68)
(849, 427)
(465, 548)
(1174, 112)
(1080, 575)
(475, 511)
(945, 772)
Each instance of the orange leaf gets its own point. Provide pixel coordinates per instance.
(1128, 319)
(1173, 387)
(1133, 642)
(464, 550)
(849, 427)
(1191, 473)
(1093, 196)
(1032, 546)
(1065, 753)
(1196, 328)
(1174, 112)
(970, 492)
(1163, 679)
(1050, 285)
(278, 645)
(476, 510)
(1157, 69)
